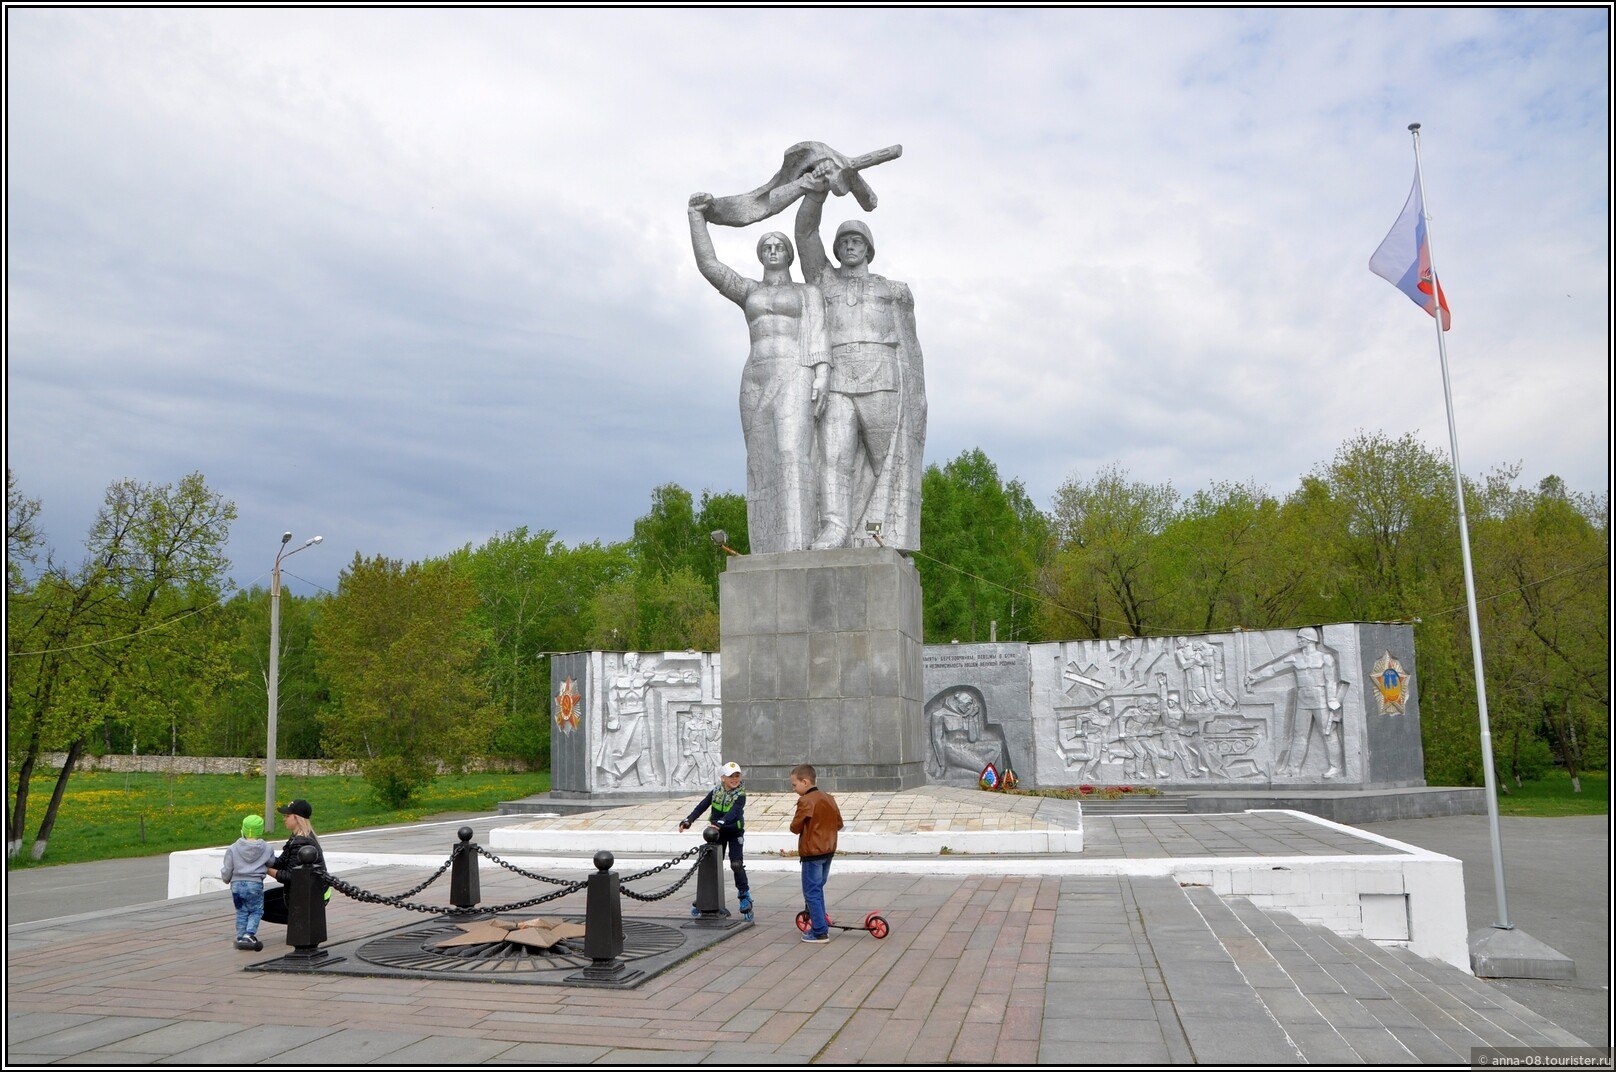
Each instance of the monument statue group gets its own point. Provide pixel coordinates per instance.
(823, 656)
(833, 395)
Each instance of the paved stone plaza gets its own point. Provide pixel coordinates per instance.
(1093, 968)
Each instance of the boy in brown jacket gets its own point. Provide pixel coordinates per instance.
(815, 824)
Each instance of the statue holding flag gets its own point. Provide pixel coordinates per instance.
(833, 454)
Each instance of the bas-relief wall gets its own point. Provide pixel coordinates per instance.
(635, 722)
(1331, 706)
(1277, 707)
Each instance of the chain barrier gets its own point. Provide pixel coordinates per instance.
(435, 876)
(354, 893)
(507, 865)
(671, 890)
(663, 867)
(401, 900)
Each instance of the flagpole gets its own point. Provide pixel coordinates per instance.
(1488, 775)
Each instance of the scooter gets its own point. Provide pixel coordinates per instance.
(874, 923)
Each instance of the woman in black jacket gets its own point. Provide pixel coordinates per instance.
(301, 831)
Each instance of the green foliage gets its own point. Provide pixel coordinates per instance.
(128, 646)
(535, 596)
(650, 612)
(1103, 572)
(449, 658)
(675, 537)
(23, 538)
(396, 779)
(669, 598)
(984, 544)
(109, 816)
(400, 645)
(238, 725)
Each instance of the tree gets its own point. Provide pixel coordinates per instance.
(675, 536)
(984, 544)
(535, 597)
(649, 612)
(239, 723)
(1103, 567)
(129, 638)
(1543, 554)
(400, 646)
(23, 538)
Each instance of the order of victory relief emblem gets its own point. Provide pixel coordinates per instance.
(1391, 685)
(567, 706)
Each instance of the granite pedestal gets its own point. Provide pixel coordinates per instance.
(822, 664)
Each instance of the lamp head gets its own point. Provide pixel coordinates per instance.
(286, 537)
(719, 537)
(312, 540)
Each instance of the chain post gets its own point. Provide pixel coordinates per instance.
(710, 881)
(603, 927)
(464, 886)
(305, 908)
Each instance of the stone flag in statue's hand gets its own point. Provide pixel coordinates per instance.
(799, 171)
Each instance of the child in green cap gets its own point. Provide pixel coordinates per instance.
(244, 864)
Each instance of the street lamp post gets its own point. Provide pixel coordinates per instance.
(275, 671)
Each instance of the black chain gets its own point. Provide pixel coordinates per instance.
(663, 867)
(435, 876)
(397, 901)
(669, 892)
(507, 865)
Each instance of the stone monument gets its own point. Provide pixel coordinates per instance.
(821, 624)
(634, 723)
(1324, 707)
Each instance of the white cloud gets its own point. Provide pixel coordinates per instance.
(410, 277)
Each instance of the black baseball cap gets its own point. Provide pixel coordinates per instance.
(297, 807)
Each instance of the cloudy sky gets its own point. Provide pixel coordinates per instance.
(410, 278)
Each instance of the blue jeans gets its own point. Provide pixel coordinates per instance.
(814, 874)
(249, 901)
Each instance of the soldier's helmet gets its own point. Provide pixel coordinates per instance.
(1310, 632)
(857, 227)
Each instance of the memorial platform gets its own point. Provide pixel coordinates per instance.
(1358, 884)
(977, 968)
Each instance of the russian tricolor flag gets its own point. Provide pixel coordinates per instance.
(1404, 259)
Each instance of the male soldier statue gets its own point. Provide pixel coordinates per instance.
(873, 430)
(1318, 699)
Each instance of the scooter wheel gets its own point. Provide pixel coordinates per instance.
(803, 923)
(876, 925)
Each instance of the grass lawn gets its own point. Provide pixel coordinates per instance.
(105, 815)
(1551, 795)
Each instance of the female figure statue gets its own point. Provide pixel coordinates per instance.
(783, 387)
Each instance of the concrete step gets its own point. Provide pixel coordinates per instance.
(1373, 1006)
(1137, 805)
(1310, 1030)
(1223, 1020)
(1479, 1011)
(1388, 1004)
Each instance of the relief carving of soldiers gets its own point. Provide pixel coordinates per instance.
(1318, 699)
(961, 738)
(624, 739)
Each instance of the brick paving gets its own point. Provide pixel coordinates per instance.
(978, 968)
